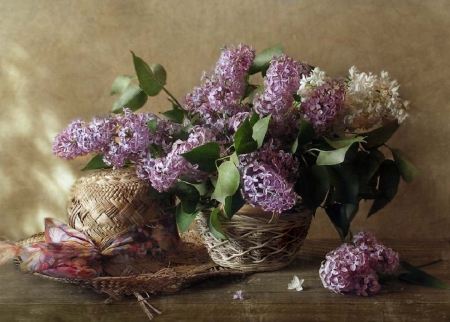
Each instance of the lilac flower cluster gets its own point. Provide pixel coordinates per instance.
(323, 106)
(281, 82)
(133, 136)
(384, 260)
(73, 141)
(220, 93)
(268, 177)
(166, 170)
(283, 163)
(119, 138)
(283, 129)
(354, 268)
(264, 187)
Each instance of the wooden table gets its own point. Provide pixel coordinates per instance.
(30, 298)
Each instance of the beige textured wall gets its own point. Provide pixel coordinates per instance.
(58, 59)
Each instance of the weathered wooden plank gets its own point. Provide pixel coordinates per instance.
(235, 311)
(30, 298)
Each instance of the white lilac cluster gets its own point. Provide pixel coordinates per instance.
(310, 82)
(372, 101)
(355, 268)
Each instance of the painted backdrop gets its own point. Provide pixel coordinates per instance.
(59, 58)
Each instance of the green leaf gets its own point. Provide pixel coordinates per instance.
(313, 185)
(188, 195)
(334, 157)
(203, 188)
(378, 137)
(367, 165)
(341, 216)
(306, 133)
(345, 183)
(233, 204)
(417, 276)
(254, 119)
(205, 156)
(341, 143)
(182, 135)
(257, 90)
(175, 114)
(155, 150)
(260, 129)
(378, 204)
(152, 125)
(184, 220)
(189, 126)
(214, 225)
(407, 169)
(120, 84)
(263, 59)
(389, 179)
(152, 80)
(154, 194)
(133, 98)
(376, 158)
(96, 163)
(387, 186)
(234, 158)
(248, 91)
(294, 146)
(243, 139)
(227, 182)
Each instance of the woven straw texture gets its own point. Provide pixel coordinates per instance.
(189, 264)
(254, 243)
(107, 202)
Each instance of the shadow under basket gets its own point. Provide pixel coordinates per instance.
(256, 241)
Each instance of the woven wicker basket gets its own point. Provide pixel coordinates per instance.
(106, 203)
(254, 243)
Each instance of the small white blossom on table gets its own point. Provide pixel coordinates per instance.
(238, 296)
(296, 284)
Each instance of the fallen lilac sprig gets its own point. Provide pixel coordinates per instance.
(355, 268)
(360, 266)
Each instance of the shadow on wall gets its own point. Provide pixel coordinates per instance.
(33, 184)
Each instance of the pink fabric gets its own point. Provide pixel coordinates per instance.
(68, 253)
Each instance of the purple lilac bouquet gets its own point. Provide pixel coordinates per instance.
(356, 267)
(299, 137)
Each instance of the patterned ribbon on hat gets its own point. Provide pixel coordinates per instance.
(68, 253)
